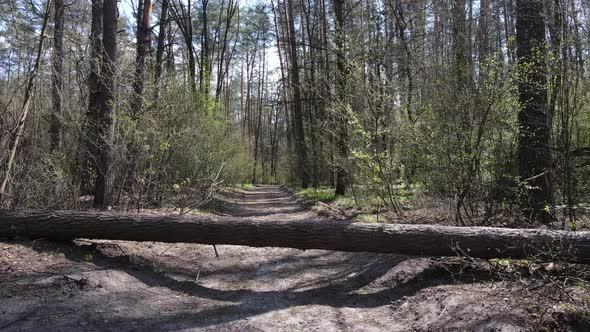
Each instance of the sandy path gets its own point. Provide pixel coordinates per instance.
(184, 287)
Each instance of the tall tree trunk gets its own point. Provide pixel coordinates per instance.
(308, 26)
(258, 130)
(170, 63)
(300, 145)
(460, 46)
(232, 9)
(204, 74)
(184, 21)
(534, 145)
(160, 48)
(279, 35)
(105, 103)
(143, 45)
(87, 151)
(342, 139)
(57, 75)
(483, 33)
(191, 67)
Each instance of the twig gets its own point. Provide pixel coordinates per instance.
(442, 312)
(210, 192)
(80, 281)
(535, 176)
(163, 252)
(198, 274)
(96, 244)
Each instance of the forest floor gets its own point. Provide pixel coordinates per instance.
(118, 285)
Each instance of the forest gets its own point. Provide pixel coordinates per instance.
(382, 98)
(361, 128)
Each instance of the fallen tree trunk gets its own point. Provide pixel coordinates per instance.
(422, 240)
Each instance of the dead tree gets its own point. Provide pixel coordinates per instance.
(421, 240)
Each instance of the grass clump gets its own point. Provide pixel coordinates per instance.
(367, 217)
(244, 186)
(315, 195)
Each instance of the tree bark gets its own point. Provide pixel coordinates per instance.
(204, 72)
(420, 240)
(232, 9)
(297, 105)
(57, 75)
(163, 22)
(280, 35)
(183, 18)
(143, 45)
(342, 140)
(87, 151)
(105, 103)
(534, 146)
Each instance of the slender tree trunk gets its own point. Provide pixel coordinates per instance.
(232, 8)
(534, 145)
(57, 75)
(204, 74)
(300, 145)
(105, 103)
(143, 45)
(88, 152)
(170, 63)
(258, 130)
(460, 46)
(284, 83)
(160, 48)
(342, 139)
(483, 32)
(192, 69)
(184, 21)
(308, 27)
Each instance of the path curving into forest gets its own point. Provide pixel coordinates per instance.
(119, 285)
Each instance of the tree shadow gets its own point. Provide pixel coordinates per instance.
(350, 287)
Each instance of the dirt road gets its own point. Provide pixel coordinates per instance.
(46, 286)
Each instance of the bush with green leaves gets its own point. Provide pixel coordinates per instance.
(179, 150)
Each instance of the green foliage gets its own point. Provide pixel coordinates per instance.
(468, 138)
(375, 167)
(182, 147)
